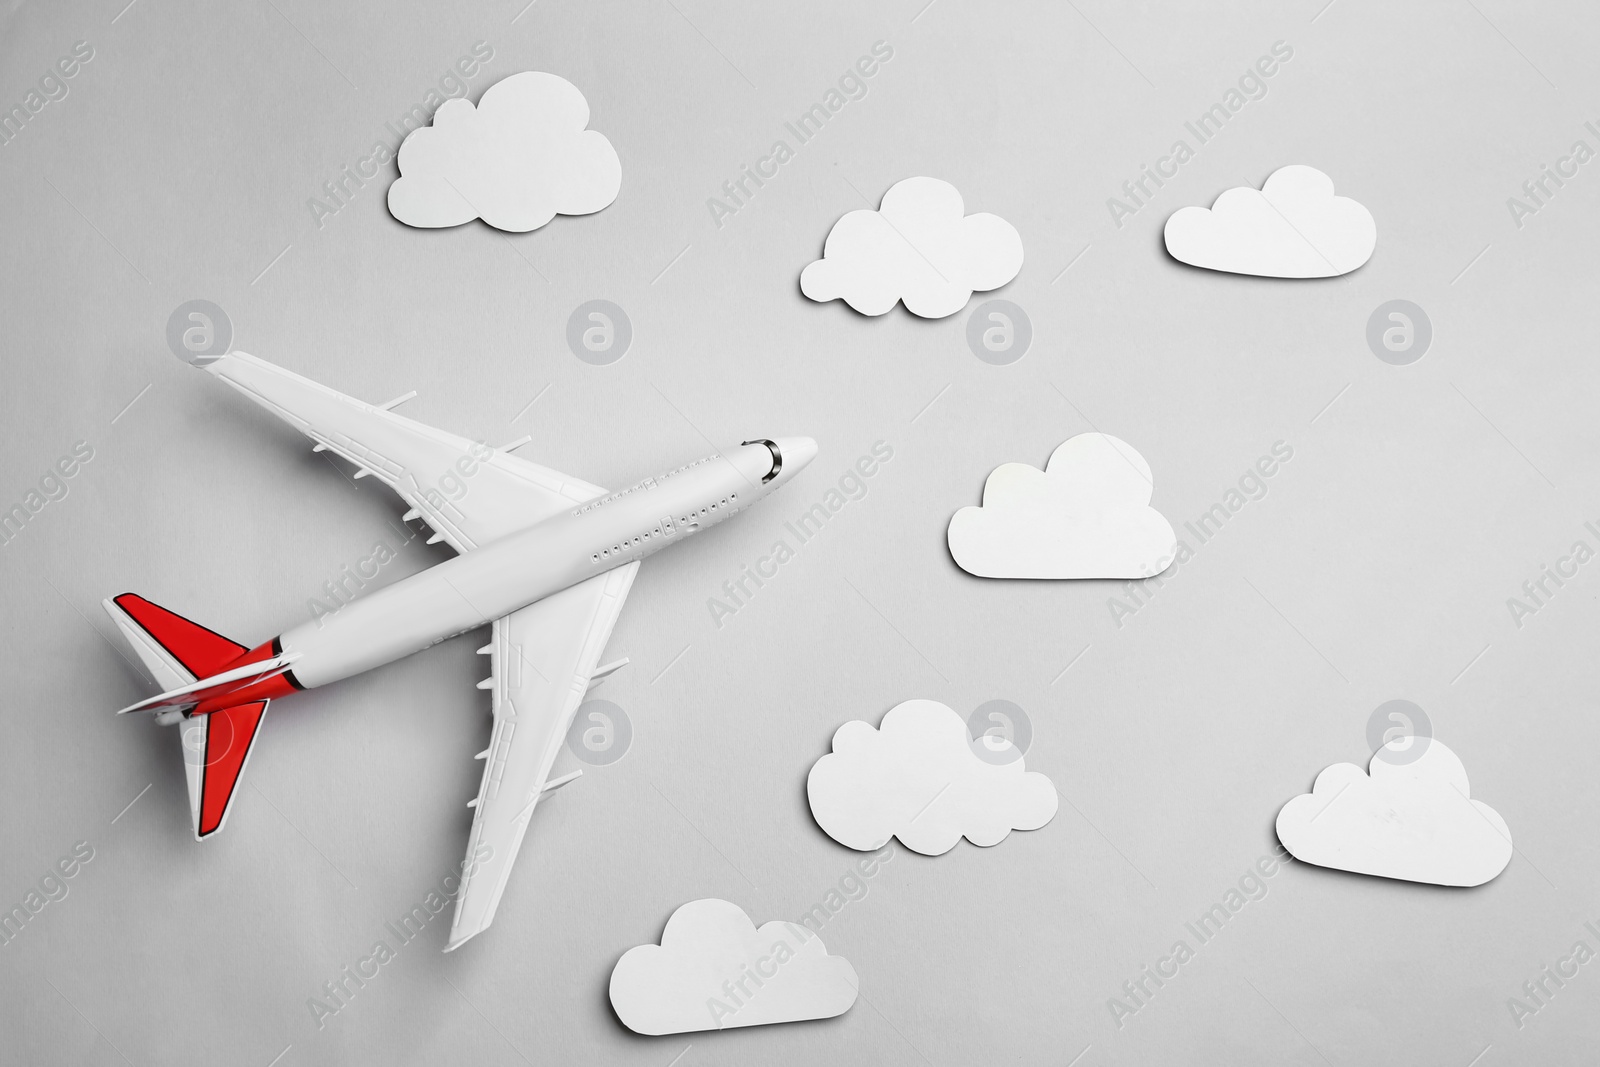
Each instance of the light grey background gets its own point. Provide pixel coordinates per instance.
(1378, 566)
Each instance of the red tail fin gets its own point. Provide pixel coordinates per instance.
(201, 651)
(229, 735)
(215, 745)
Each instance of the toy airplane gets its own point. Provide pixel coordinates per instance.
(546, 558)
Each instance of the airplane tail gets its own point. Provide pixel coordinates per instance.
(195, 667)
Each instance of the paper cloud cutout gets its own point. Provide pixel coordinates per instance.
(714, 970)
(1086, 515)
(917, 248)
(1292, 227)
(918, 777)
(1413, 821)
(518, 159)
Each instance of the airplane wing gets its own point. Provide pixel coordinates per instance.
(543, 657)
(469, 493)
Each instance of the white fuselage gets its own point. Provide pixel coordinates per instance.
(496, 579)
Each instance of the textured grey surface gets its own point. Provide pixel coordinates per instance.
(1378, 565)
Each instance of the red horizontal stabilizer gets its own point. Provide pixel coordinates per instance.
(230, 735)
(203, 652)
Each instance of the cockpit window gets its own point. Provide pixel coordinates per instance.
(777, 459)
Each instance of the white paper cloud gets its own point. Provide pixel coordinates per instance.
(1414, 821)
(518, 159)
(918, 778)
(1292, 227)
(917, 248)
(714, 970)
(1086, 515)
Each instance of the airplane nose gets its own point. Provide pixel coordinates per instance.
(796, 451)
